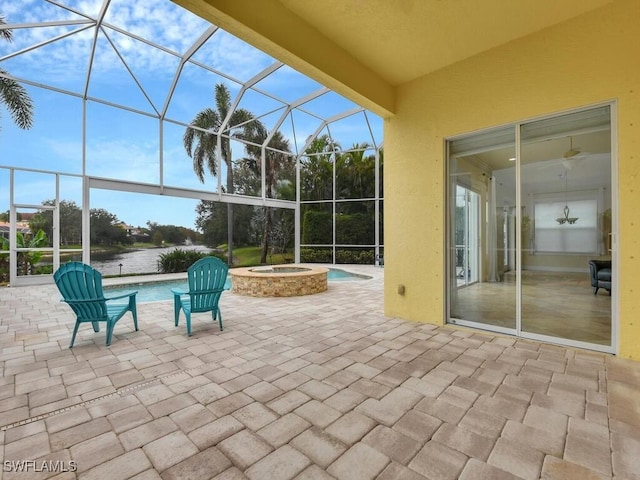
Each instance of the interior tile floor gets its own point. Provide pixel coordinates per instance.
(558, 304)
(314, 387)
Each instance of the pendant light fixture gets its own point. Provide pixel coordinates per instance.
(566, 219)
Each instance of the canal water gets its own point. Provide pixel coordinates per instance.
(136, 261)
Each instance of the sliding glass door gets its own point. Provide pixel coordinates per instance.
(566, 197)
(482, 231)
(544, 219)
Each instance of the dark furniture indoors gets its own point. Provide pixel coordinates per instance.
(600, 271)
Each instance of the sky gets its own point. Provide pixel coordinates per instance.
(129, 85)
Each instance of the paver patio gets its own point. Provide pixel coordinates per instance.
(321, 386)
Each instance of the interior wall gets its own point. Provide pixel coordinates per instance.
(591, 59)
(572, 262)
(478, 181)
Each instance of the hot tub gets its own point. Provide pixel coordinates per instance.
(278, 280)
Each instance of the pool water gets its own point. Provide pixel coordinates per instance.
(158, 291)
(278, 270)
(336, 274)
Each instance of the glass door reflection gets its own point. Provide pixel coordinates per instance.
(566, 199)
(467, 231)
(482, 243)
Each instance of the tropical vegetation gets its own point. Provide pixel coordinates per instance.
(26, 261)
(273, 229)
(328, 174)
(14, 96)
(355, 195)
(279, 183)
(179, 260)
(209, 137)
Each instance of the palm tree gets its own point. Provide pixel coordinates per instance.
(13, 95)
(201, 143)
(26, 260)
(355, 173)
(316, 175)
(277, 159)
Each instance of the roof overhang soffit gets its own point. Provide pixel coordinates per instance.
(269, 26)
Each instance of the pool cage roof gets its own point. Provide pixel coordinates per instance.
(124, 67)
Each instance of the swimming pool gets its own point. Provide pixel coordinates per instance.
(158, 291)
(337, 275)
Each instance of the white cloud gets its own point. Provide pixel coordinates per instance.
(127, 154)
(64, 63)
(133, 160)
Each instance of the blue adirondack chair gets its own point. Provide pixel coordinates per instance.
(81, 288)
(207, 279)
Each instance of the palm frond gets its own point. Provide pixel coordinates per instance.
(16, 98)
(5, 34)
(222, 99)
(198, 163)
(200, 142)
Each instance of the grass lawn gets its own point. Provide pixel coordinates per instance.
(250, 256)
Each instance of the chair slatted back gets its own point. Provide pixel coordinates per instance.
(207, 278)
(81, 287)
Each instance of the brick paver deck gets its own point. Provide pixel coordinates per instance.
(313, 387)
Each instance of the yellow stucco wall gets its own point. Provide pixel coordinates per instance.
(591, 59)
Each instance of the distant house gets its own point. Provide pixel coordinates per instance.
(138, 234)
(128, 228)
(21, 227)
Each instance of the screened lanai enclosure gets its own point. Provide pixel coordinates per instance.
(152, 125)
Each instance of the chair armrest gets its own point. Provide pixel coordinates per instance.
(126, 294)
(600, 264)
(82, 300)
(179, 291)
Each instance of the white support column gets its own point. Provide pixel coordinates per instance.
(376, 214)
(86, 218)
(56, 227)
(297, 230)
(13, 255)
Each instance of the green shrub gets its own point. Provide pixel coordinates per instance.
(317, 227)
(179, 260)
(351, 228)
(43, 270)
(324, 255)
(316, 255)
(353, 256)
(355, 229)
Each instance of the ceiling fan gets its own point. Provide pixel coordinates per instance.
(572, 152)
(572, 155)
